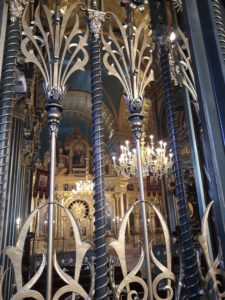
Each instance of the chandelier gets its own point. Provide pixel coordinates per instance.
(84, 187)
(154, 160)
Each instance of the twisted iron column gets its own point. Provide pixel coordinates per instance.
(101, 261)
(219, 21)
(188, 251)
(13, 39)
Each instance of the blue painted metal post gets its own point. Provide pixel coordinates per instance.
(101, 261)
(209, 73)
(188, 251)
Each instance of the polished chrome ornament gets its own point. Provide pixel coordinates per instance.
(213, 267)
(16, 253)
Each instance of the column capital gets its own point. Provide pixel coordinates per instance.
(16, 8)
(96, 19)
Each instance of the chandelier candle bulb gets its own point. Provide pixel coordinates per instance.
(154, 161)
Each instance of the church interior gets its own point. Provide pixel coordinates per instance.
(112, 123)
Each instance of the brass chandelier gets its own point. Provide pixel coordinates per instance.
(155, 160)
(84, 187)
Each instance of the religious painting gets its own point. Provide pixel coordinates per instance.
(79, 156)
(84, 231)
(109, 214)
(41, 184)
(158, 226)
(153, 184)
(43, 221)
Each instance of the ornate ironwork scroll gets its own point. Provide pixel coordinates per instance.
(213, 268)
(59, 56)
(2, 277)
(178, 5)
(130, 60)
(119, 246)
(180, 64)
(166, 270)
(58, 53)
(16, 253)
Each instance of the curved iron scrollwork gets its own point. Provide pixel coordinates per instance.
(58, 54)
(180, 64)
(119, 246)
(166, 270)
(16, 254)
(178, 5)
(130, 62)
(213, 268)
(2, 276)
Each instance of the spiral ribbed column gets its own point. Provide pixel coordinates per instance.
(7, 225)
(188, 251)
(219, 20)
(6, 112)
(101, 284)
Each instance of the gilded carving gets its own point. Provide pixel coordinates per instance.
(16, 8)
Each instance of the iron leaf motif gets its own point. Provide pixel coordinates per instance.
(180, 64)
(129, 58)
(119, 246)
(81, 249)
(166, 270)
(57, 54)
(16, 254)
(213, 269)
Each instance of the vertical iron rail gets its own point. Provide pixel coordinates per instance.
(136, 125)
(144, 220)
(188, 251)
(54, 116)
(101, 261)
